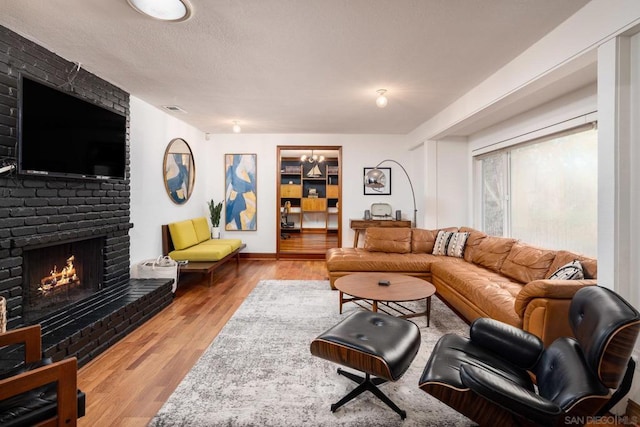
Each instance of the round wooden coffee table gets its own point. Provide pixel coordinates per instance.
(402, 288)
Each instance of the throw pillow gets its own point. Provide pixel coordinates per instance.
(442, 241)
(456, 244)
(569, 271)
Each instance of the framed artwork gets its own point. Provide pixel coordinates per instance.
(179, 171)
(241, 211)
(386, 190)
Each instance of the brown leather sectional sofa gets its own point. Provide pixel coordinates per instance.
(496, 277)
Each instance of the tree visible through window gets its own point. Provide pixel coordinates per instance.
(552, 192)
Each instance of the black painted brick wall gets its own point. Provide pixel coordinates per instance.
(37, 211)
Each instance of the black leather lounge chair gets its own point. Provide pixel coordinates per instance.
(503, 376)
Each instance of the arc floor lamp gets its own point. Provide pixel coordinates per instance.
(376, 180)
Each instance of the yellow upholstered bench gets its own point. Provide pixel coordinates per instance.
(190, 241)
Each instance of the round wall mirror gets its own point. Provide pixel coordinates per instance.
(179, 171)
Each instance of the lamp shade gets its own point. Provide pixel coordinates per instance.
(375, 178)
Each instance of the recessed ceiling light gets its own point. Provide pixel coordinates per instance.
(165, 10)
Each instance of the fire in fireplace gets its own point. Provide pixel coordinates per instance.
(60, 281)
(57, 276)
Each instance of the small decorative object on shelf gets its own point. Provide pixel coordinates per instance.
(292, 169)
(215, 211)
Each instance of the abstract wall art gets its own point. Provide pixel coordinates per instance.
(240, 192)
(179, 171)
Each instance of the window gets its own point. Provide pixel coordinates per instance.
(544, 192)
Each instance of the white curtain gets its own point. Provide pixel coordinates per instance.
(552, 192)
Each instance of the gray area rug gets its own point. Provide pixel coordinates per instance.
(259, 372)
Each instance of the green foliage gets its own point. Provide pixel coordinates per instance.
(214, 212)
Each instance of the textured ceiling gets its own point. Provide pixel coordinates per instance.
(291, 66)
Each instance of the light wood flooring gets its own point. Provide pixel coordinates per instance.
(128, 384)
(308, 243)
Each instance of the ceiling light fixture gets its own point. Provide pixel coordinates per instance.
(311, 159)
(164, 10)
(236, 127)
(381, 100)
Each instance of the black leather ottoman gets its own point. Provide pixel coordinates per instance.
(374, 343)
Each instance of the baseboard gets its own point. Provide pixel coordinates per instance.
(301, 256)
(292, 256)
(245, 255)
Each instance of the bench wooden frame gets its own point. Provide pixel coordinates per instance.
(203, 267)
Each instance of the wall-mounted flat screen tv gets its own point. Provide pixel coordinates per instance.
(62, 135)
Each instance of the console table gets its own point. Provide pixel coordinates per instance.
(359, 225)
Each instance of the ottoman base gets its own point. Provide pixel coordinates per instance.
(366, 384)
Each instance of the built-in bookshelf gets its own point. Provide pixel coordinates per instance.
(309, 194)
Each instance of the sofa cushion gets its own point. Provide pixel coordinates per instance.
(456, 245)
(474, 239)
(201, 226)
(234, 243)
(183, 234)
(359, 259)
(589, 265)
(201, 252)
(391, 240)
(491, 292)
(526, 263)
(492, 251)
(422, 240)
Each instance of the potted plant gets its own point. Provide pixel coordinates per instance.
(214, 214)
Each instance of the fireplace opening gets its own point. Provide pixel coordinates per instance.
(60, 275)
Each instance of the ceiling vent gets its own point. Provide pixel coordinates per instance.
(174, 109)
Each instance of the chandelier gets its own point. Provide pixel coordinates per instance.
(312, 159)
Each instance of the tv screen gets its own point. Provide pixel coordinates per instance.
(60, 134)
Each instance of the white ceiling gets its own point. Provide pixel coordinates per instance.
(293, 66)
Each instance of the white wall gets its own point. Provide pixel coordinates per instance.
(358, 151)
(151, 130)
(446, 189)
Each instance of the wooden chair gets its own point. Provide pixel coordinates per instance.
(40, 392)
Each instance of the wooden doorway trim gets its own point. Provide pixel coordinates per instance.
(279, 150)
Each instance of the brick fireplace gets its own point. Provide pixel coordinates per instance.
(39, 214)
